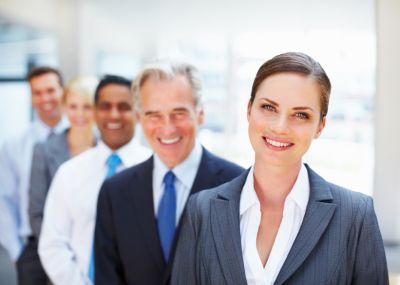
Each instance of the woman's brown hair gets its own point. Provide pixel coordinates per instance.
(295, 62)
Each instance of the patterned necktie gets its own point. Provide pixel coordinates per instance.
(166, 214)
(113, 162)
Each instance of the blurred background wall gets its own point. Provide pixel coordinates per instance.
(356, 41)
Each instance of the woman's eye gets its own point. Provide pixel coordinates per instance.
(302, 115)
(268, 107)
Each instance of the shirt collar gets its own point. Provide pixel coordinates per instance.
(248, 197)
(125, 152)
(185, 172)
(300, 192)
(44, 130)
(301, 189)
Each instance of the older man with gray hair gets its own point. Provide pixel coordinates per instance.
(139, 209)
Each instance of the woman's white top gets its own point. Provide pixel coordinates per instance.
(250, 218)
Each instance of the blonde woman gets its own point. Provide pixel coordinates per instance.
(78, 104)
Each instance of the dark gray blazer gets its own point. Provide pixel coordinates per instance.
(47, 157)
(339, 241)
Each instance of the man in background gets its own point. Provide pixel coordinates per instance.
(15, 167)
(139, 209)
(66, 239)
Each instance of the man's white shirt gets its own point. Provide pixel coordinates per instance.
(250, 218)
(15, 170)
(66, 240)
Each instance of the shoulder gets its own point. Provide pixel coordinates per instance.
(226, 167)
(350, 200)
(79, 162)
(19, 139)
(129, 177)
(228, 191)
(57, 139)
(18, 149)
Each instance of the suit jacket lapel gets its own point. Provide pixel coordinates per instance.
(319, 213)
(225, 228)
(207, 174)
(142, 196)
(57, 152)
(206, 177)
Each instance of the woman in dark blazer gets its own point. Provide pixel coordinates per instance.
(280, 222)
(78, 103)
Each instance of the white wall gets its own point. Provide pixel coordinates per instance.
(387, 121)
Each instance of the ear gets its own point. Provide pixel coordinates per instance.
(249, 105)
(200, 116)
(321, 126)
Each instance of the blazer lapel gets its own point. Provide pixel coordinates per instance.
(58, 151)
(207, 174)
(206, 177)
(142, 196)
(319, 213)
(225, 228)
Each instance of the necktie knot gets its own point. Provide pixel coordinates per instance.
(169, 179)
(113, 162)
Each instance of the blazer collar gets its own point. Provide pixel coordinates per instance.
(57, 147)
(319, 213)
(225, 229)
(142, 196)
(207, 171)
(142, 199)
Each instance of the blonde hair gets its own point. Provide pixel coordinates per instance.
(84, 86)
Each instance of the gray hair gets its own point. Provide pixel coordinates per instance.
(163, 70)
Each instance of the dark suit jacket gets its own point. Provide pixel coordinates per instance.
(339, 241)
(47, 157)
(127, 245)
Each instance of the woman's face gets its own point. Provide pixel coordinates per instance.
(284, 118)
(79, 110)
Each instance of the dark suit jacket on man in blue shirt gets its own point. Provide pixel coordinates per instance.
(127, 245)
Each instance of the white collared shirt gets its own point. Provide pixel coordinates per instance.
(185, 173)
(15, 170)
(66, 239)
(250, 218)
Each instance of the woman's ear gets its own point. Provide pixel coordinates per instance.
(321, 126)
(249, 105)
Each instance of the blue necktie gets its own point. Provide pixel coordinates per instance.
(113, 162)
(166, 214)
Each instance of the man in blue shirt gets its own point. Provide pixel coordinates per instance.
(15, 168)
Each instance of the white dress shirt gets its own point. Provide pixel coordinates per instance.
(250, 218)
(15, 169)
(185, 174)
(66, 239)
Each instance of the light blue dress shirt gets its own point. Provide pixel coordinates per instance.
(185, 173)
(15, 168)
